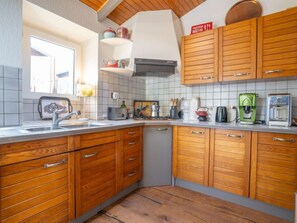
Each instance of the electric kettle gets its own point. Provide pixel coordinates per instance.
(221, 114)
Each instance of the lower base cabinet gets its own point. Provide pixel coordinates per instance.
(95, 176)
(274, 168)
(191, 154)
(230, 153)
(37, 190)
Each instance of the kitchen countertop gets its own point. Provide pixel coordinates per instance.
(18, 134)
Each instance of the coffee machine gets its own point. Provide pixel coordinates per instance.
(247, 108)
(279, 110)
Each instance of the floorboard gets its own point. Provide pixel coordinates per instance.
(178, 205)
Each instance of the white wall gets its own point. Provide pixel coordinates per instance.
(216, 10)
(11, 33)
(73, 10)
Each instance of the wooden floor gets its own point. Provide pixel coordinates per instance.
(178, 205)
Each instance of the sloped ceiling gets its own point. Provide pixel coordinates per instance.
(127, 8)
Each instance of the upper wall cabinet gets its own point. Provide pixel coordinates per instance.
(277, 44)
(237, 51)
(200, 58)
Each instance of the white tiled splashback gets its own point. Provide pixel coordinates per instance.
(129, 89)
(10, 96)
(218, 94)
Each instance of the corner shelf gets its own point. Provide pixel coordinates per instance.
(121, 71)
(116, 41)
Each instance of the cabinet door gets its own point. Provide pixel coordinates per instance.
(191, 154)
(37, 190)
(238, 43)
(200, 58)
(274, 168)
(277, 44)
(95, 176)
(230, 161)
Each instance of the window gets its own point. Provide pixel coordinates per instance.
(52, 67)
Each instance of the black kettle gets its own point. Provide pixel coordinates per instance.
(221, 115)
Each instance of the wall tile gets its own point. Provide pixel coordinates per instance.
(11, 72)
(11, 119)
(10, 96)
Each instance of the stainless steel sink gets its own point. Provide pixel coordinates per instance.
(40, 129)
(96, 124)
(64, 127)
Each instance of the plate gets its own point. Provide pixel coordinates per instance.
(243, 10)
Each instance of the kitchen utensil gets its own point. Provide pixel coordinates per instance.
(173, 112)
(116, 113)
(122, 32)
(155, 111)
(109, 33)
(243, 10)
(193, 108)
(247, 108)
(279, 110)
(232, 114)
(47, 105)
(221, 114)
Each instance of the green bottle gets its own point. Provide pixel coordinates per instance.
(123, 105)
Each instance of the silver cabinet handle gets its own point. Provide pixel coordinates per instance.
(132, 159)
(206, 77)
(130, 133)
(273, 71)
(132, 173)
(195, 132)
(162, 129)
(284, 140)
(235, 136)
(48, 165)
(241, 74)
(132, 143)
(89, 155)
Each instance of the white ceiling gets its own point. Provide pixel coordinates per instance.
(39, 18)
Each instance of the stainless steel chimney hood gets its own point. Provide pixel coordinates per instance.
(154, 68)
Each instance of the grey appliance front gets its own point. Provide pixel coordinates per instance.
(157, 156)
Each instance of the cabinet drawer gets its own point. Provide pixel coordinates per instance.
(131, 132)
(231, 136)
(192, 134)
(98, 138)
(24, 151)
(131, 175)
(131, 158)
(131, 143)
(35, 189)
(277, 139)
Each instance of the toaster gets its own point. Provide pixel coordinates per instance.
(116, 113)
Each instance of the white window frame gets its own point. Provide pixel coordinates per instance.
(29, 32)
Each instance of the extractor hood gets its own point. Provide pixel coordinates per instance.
(156, 36)
(155, 68)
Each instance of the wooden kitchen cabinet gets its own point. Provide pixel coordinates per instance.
(38, 190)
(132, 155)
(274, 168)
(237, 51)
(95, 176)
(230, 161)
(199, 55)
(277, 44)
(191, 154)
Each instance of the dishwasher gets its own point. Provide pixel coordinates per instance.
(157, 156)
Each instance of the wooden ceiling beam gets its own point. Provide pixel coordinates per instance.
(107, 8)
